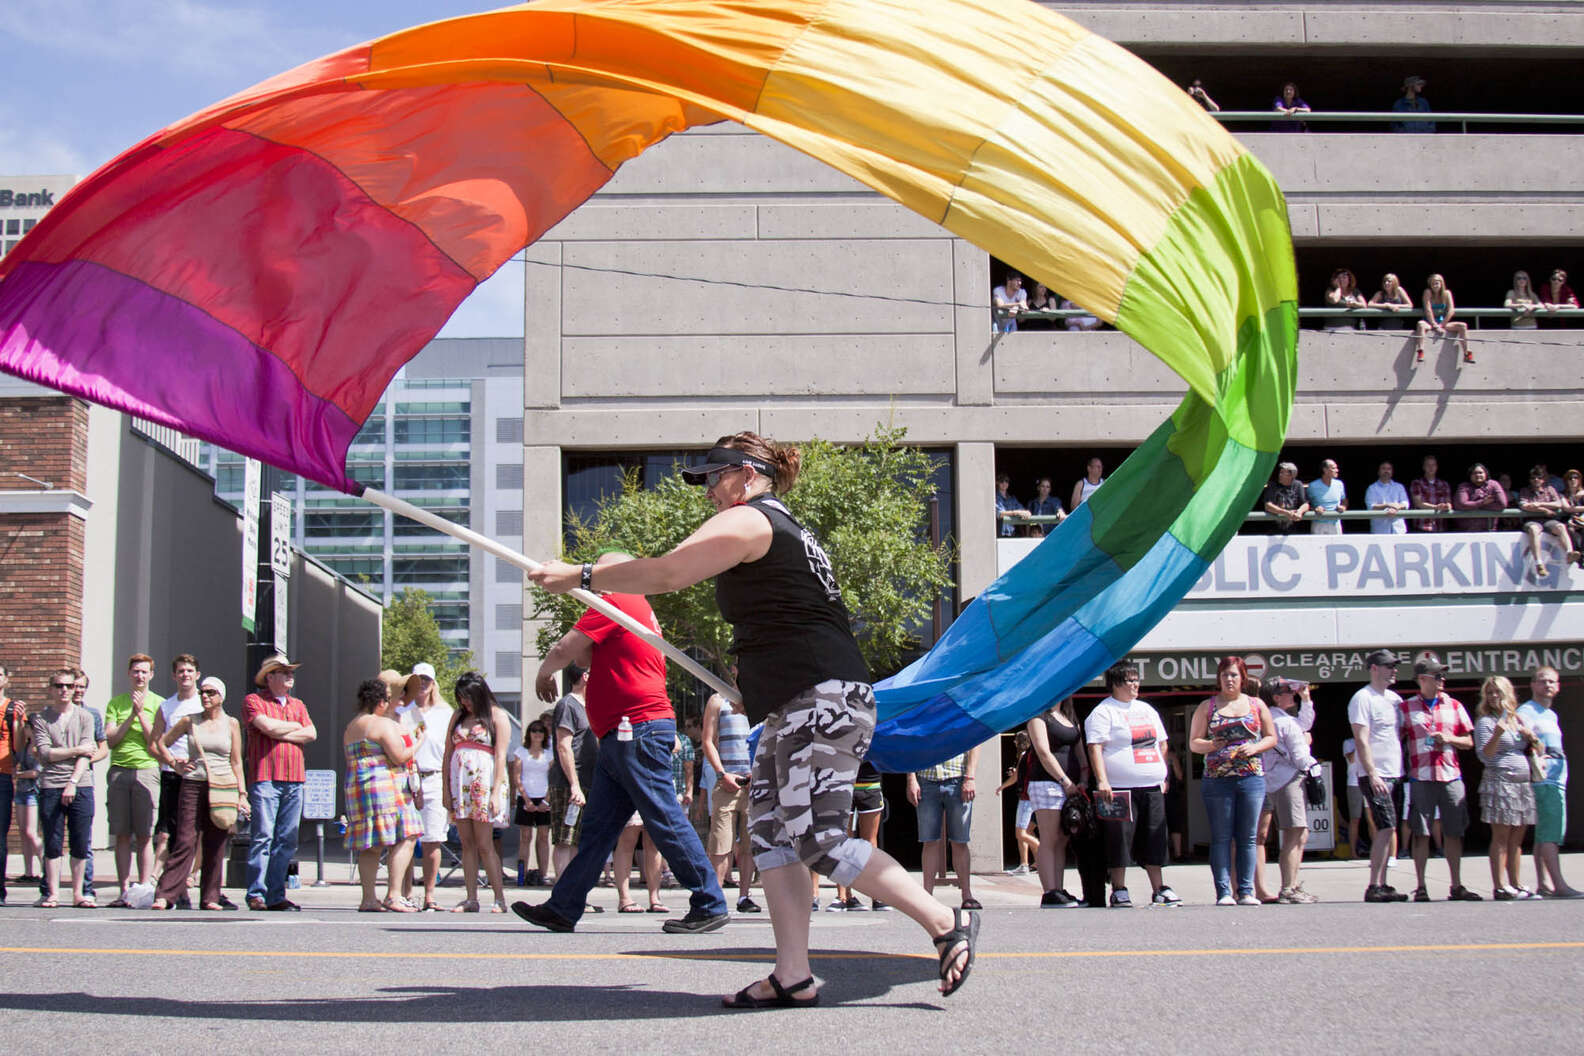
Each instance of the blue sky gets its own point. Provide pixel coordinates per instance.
(85, 79)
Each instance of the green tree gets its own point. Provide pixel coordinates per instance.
(868, 504)
(410, 635)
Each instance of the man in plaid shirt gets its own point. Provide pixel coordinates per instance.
(1434, 727)
(1430, 492)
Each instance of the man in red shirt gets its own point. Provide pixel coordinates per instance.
(626, 680)
(1434, 726)
(277, 725)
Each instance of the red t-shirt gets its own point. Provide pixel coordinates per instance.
(627, 675)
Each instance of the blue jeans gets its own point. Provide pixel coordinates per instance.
(636, 775)
(1233, 804)
(943, 801)
(277, 811)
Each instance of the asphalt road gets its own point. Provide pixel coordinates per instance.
(1339, 975)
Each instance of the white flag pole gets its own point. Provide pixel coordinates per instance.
(593, 601)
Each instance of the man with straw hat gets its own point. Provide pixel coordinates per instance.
(277, 727)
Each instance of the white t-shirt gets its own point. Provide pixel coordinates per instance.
(1349, 749)
(1380, 713)
(1133, 742)
(535, 772)
(430, 756)
(173, 710)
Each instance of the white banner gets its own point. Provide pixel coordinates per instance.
(252, 478)
(281, 585)
(1335, 566)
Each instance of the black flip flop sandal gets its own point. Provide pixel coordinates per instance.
(946, 948)
(783, 998)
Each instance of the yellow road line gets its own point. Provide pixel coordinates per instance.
(1286, 951)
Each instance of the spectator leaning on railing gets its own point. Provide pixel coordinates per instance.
(1523, 302)
(1327, 495)
(1289, 103)
(1430, 492)
(1284, 498)
(1412, 102)
(1344, 293)
(1479, 492)
(1392, 297)
(1388, 497)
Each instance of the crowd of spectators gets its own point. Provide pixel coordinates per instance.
(1013, 518)
(1528, 307)
(1100, 790)
(1547, 504)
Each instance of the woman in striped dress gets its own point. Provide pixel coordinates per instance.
(380, 817)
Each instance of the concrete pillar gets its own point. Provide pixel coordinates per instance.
(977, 570)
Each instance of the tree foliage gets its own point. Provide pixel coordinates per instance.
(410, 635)
(869, 506)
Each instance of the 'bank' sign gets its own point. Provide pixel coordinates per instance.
(1330, 566)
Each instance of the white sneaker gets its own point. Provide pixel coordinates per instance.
(1226, 900)
(1166, 897)
(1248, 900)
(1020, 870)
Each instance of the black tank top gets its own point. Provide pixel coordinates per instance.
(1063, 745)
(789, 627)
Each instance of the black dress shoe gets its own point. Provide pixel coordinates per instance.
(225, 903)
(285, 905)
(184, 902)
(542, 916)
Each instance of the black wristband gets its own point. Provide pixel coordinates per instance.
(588, 576)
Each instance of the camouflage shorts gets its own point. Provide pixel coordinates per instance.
(800, 795)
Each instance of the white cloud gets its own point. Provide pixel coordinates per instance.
(495, 309)
(186, 36)
(26, 148)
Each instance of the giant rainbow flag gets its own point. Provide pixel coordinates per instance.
(255, 274)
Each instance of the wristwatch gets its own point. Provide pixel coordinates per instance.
(588, 576)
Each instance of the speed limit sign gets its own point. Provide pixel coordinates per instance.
(280, 534)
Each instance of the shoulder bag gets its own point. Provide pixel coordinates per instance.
(225, 795)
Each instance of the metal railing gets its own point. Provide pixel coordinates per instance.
(1384, 117)
(1260, 516)
(1405, 315)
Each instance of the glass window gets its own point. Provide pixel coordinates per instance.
(433, 430)
(509, 617)
(431, 476)
(509, 476)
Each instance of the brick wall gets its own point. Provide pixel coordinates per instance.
(41, 555)
(41, 591)
(46, 438)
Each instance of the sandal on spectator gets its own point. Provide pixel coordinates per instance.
(656, 907)
(119, 903)
(87, 902)
(782, 998)
(958, 942)
(399, 905)
(629, 907)
(46, 903)
(971, 903)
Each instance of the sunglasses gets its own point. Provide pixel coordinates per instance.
(63, 685)
(713, 477)
(208, 692)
